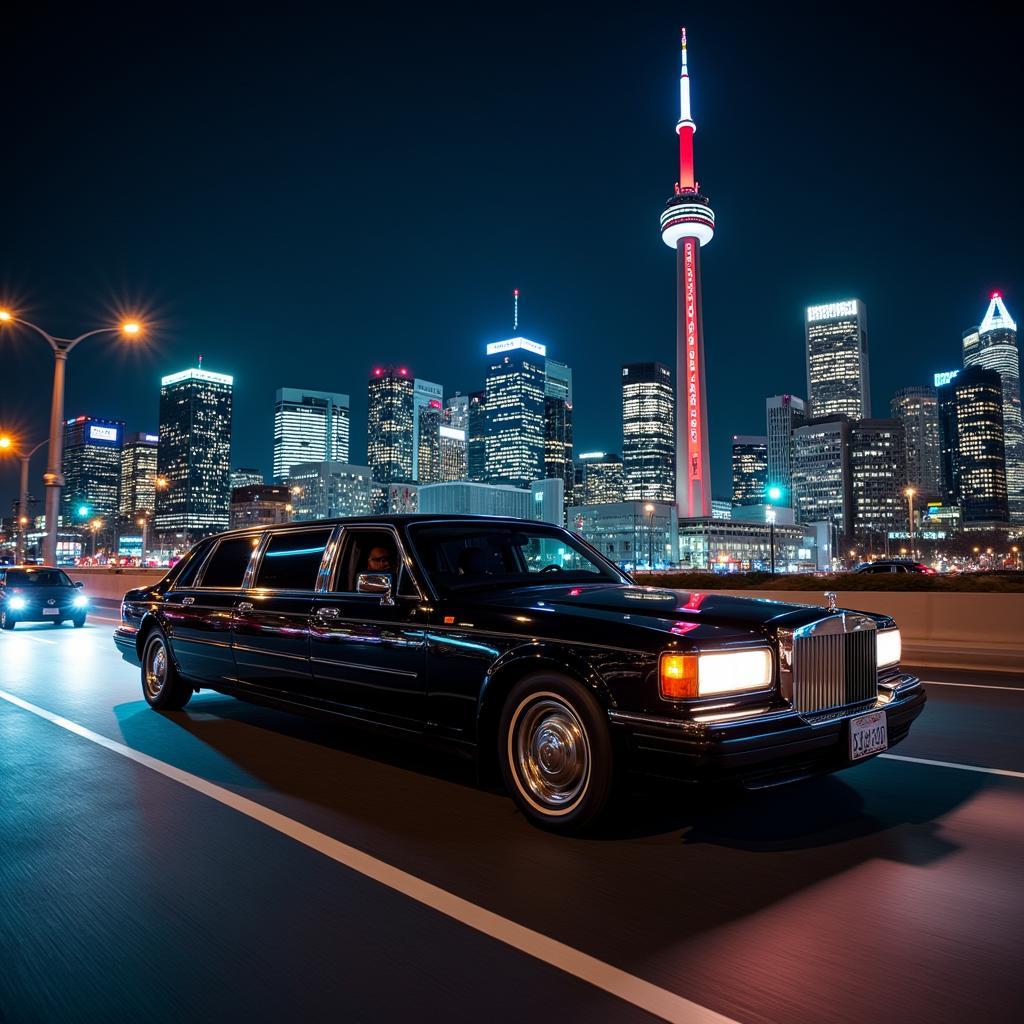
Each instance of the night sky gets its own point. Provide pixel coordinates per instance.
(301, 197)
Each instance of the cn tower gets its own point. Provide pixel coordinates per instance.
(688, 223)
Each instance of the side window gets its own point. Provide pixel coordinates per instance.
(187, 576)
(366, 551)
(292, 560)
(227, 565)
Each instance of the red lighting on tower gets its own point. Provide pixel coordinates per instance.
(688, 224)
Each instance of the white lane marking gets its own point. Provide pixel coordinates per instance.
(974, 686)
(628, 987)
(951, 764)
(38, 639)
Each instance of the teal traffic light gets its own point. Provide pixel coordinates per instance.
(774, 492)
(83, 511)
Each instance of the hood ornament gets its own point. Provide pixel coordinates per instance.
(831, 595)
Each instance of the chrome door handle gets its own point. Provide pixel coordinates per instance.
(245, 606)
(327, 613)
(188, 600)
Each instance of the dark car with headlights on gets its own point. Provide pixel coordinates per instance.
(39, 593)
(519, 643)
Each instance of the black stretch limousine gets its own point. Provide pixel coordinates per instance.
(521, 643)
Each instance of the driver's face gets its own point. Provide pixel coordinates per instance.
(380, 559)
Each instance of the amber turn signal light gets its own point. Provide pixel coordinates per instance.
(677, 676)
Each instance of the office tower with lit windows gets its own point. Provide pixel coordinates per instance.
(456, 411)
(390, 428)
(476, 437)
(425, 395)
(245, 476)
(821, 473)
(994, 346)
(92, 469)
(453, 452)
(261, 505)
(838, 382)
(749, 469)
(973, 447)
(558, 425)
(309, 426)
(598, 479)
(878, 477)
(329, 489)
(783, 413)
(138, 475)
(194, 454)
(514, 386)
(917, 408)
(428, 442)
(648, 432)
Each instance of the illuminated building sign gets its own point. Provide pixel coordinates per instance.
(590, 455)
(513, 343)
(213, 378)
(942, 379)
(694, 455)
(151, 438)
(102, 433)
(452, 432)
(832, 310)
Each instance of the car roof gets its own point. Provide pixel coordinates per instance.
(397, 520)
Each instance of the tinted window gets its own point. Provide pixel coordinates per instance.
(37, 578)
(292, 560)
(187, 576)
(366, 551)
(227, 565)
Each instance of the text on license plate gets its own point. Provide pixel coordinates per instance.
(51, 611)
(868, 735)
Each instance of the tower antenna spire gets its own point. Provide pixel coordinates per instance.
(515, 309)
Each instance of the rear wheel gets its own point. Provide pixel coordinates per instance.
(7, 620)
(556, 752)
(162, 685)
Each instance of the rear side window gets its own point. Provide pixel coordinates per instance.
(227, 565)
(187, 576)
(292, 560)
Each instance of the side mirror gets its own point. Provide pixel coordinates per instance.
(79, 583)
(376, 583)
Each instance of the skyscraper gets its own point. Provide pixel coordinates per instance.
(308, 426)
(245, 476)
(973, 446)
(92, 468)
(515, 384)
(878, 476)
(456, 411)
(138, 475)
(598, 478)
(328, 489)
(648, 432)
(428, 442)
(687, 224)
(838, 382)
(476, 437)
(390, 426)
(821, 473)
(425, 394)
(558, 426)
(194, 455)
(994, 346)
(453, 452)
(918, 410)
(749, 469)
(784, 414)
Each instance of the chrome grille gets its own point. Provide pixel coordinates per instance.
(831, 669)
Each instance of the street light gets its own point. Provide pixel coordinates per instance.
(53, 478)
(7, 444)
(774, 494)
(142, 521)
(650, 510)
(95, 526)
(910, 492)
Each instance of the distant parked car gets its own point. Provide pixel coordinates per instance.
(895, 565)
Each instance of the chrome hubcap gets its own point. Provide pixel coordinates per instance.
(156, 668)
(551, 753)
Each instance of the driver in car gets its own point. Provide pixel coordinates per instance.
(380, 559)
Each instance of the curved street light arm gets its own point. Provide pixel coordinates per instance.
(64, 345)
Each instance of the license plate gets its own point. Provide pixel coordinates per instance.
(51, 611)
(868, 735)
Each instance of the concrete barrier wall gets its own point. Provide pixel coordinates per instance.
(940, 630)
(110, 585)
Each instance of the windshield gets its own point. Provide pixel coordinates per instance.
(466, 555)
(37, 578)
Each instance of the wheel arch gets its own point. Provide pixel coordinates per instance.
(149, 623)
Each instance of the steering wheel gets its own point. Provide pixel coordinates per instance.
(551, 568)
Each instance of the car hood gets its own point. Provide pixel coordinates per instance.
(34, 593)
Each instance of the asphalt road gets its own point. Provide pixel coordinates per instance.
(230, 861)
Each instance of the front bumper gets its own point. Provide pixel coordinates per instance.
(761, 749)
(47, 613)
(125, 638)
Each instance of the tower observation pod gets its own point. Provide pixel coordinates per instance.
(687, 224)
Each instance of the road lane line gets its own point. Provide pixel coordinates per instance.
(628, 987)
(974, 686)
(951, 764)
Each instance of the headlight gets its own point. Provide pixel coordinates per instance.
(80, 601)
(685, 676)
(888, 647)
(16, 603)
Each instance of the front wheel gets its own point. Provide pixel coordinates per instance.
(556, 752)
(78, 621)
(162, 684)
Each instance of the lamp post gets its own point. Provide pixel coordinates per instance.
(53, 478)
(650, 510)
(910, 492)
(7, 443)
(143, 522)
(774, 494)
(95, 526)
